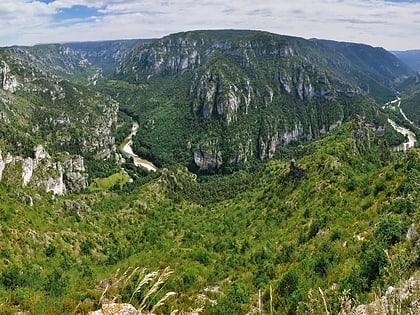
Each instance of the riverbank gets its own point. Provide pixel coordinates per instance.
(128, 152)
(411, 143)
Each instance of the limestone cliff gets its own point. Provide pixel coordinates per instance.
(246, 94)
(66, 174)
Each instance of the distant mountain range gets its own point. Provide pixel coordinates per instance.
(410, 58)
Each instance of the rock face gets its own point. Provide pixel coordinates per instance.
(207, 160)
(58, 177)
(8, 80)
(116, 309)
(412, 234)
(252, 92)
(2, 166)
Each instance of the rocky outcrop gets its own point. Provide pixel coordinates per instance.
(66, 175)
(412, 234)
(116, 309)
(27, 170)
(269, 143)
(216, 96)
(55, 185)
(2, 166)
(4, 119)
(207, 160)
(400, 300)
(8, 80)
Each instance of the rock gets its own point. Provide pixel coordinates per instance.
(76, 206)
(40, 153)
(412, 234)
(75, 181)
(56, 185)
(116, 309)
(207, 161)
(2, 166)
(4, 118)
(27, 170)
(8, 81)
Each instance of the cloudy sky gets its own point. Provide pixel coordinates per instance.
(394, 24)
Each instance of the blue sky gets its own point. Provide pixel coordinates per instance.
(394, 25)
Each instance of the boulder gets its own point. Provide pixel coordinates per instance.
(116, 309)
(412, 234)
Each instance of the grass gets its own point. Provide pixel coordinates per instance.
(104, 184)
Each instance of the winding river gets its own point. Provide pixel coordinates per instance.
(402, 130)
(127, 150)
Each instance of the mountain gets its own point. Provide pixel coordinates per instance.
(57, 60)
(410, 58)
(50, 126)
(372, 67)
(230, 98)
(277, 189)
(105, 54)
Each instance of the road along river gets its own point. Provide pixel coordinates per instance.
(127, 150)
(402, 130)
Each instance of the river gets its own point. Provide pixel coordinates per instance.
(127, 150)
(402, 130)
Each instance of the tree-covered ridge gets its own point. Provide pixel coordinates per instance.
(230, 98)
(337, 224)
(371, 69)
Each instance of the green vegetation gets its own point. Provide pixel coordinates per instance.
(340, 227)
(254, 234)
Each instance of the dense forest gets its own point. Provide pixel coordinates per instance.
(278, 189)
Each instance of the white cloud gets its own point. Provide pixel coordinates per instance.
(379, 23)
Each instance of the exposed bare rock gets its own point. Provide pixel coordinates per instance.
(116, 309)
(207, 160)
(75, 181)
(76, 206)
(393, 299)
(4, 118)
(55, 185)
(8, 80)
(412, 234)
(2, 166)
(27, 170)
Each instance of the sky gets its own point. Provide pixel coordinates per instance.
(394, 25)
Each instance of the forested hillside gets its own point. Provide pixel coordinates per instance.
(335, 222)
(231, 98)
(277, 189)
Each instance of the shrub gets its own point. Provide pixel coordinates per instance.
(372, 260)
(389, 230)
(402, 205)
(12, 277)
(289, 283)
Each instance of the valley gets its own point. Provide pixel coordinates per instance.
(127, 151)
(404, 131)
(155, 177)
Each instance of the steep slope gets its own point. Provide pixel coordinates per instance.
(410, 58)
(337, 224)
(373, 68)
(229, 98)
(44, 117)
(410, 101)
(58, 60)
(105, 54)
